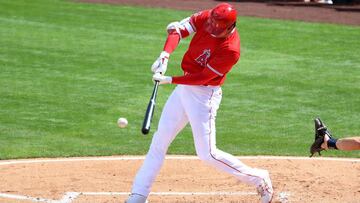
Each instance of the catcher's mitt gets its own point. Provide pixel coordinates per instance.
(320, 131)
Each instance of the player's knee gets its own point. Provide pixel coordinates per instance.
(166, 131)
(158, 149)
(159, 144)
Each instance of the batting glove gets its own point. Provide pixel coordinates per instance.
(160, 65)
(162, 79)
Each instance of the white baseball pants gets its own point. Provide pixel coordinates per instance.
(196, 105)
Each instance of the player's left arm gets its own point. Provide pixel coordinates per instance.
(200, 78)
(188, 79)
(223, 62)
(216, 67)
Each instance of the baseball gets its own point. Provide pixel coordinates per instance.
(122, 122)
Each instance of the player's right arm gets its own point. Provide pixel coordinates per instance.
(176, 31)
(182, 29)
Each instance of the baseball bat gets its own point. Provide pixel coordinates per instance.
(150, 110)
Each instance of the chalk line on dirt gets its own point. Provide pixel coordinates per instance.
(70, 196)
(171, 157)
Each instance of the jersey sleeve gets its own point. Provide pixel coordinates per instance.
(182, 28)
(176, 32)
(223, 62)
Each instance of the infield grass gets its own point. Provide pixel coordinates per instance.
(69, 70)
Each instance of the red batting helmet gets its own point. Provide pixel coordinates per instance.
(222, 20)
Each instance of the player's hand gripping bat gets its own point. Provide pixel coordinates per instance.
(150, 110)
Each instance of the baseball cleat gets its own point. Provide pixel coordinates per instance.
(265, 189)
(136, 198)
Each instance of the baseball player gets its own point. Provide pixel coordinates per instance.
(324, 140)
(213, 51)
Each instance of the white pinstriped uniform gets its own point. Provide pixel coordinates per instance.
(196, 105)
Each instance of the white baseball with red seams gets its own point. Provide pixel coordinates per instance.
(122, 122)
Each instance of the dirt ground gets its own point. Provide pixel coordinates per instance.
(182, 179)
(277, 9)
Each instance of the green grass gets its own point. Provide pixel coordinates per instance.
(69, 70)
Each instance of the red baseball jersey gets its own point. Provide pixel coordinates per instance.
(208, 59)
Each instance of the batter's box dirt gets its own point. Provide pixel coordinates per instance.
(182, 179)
